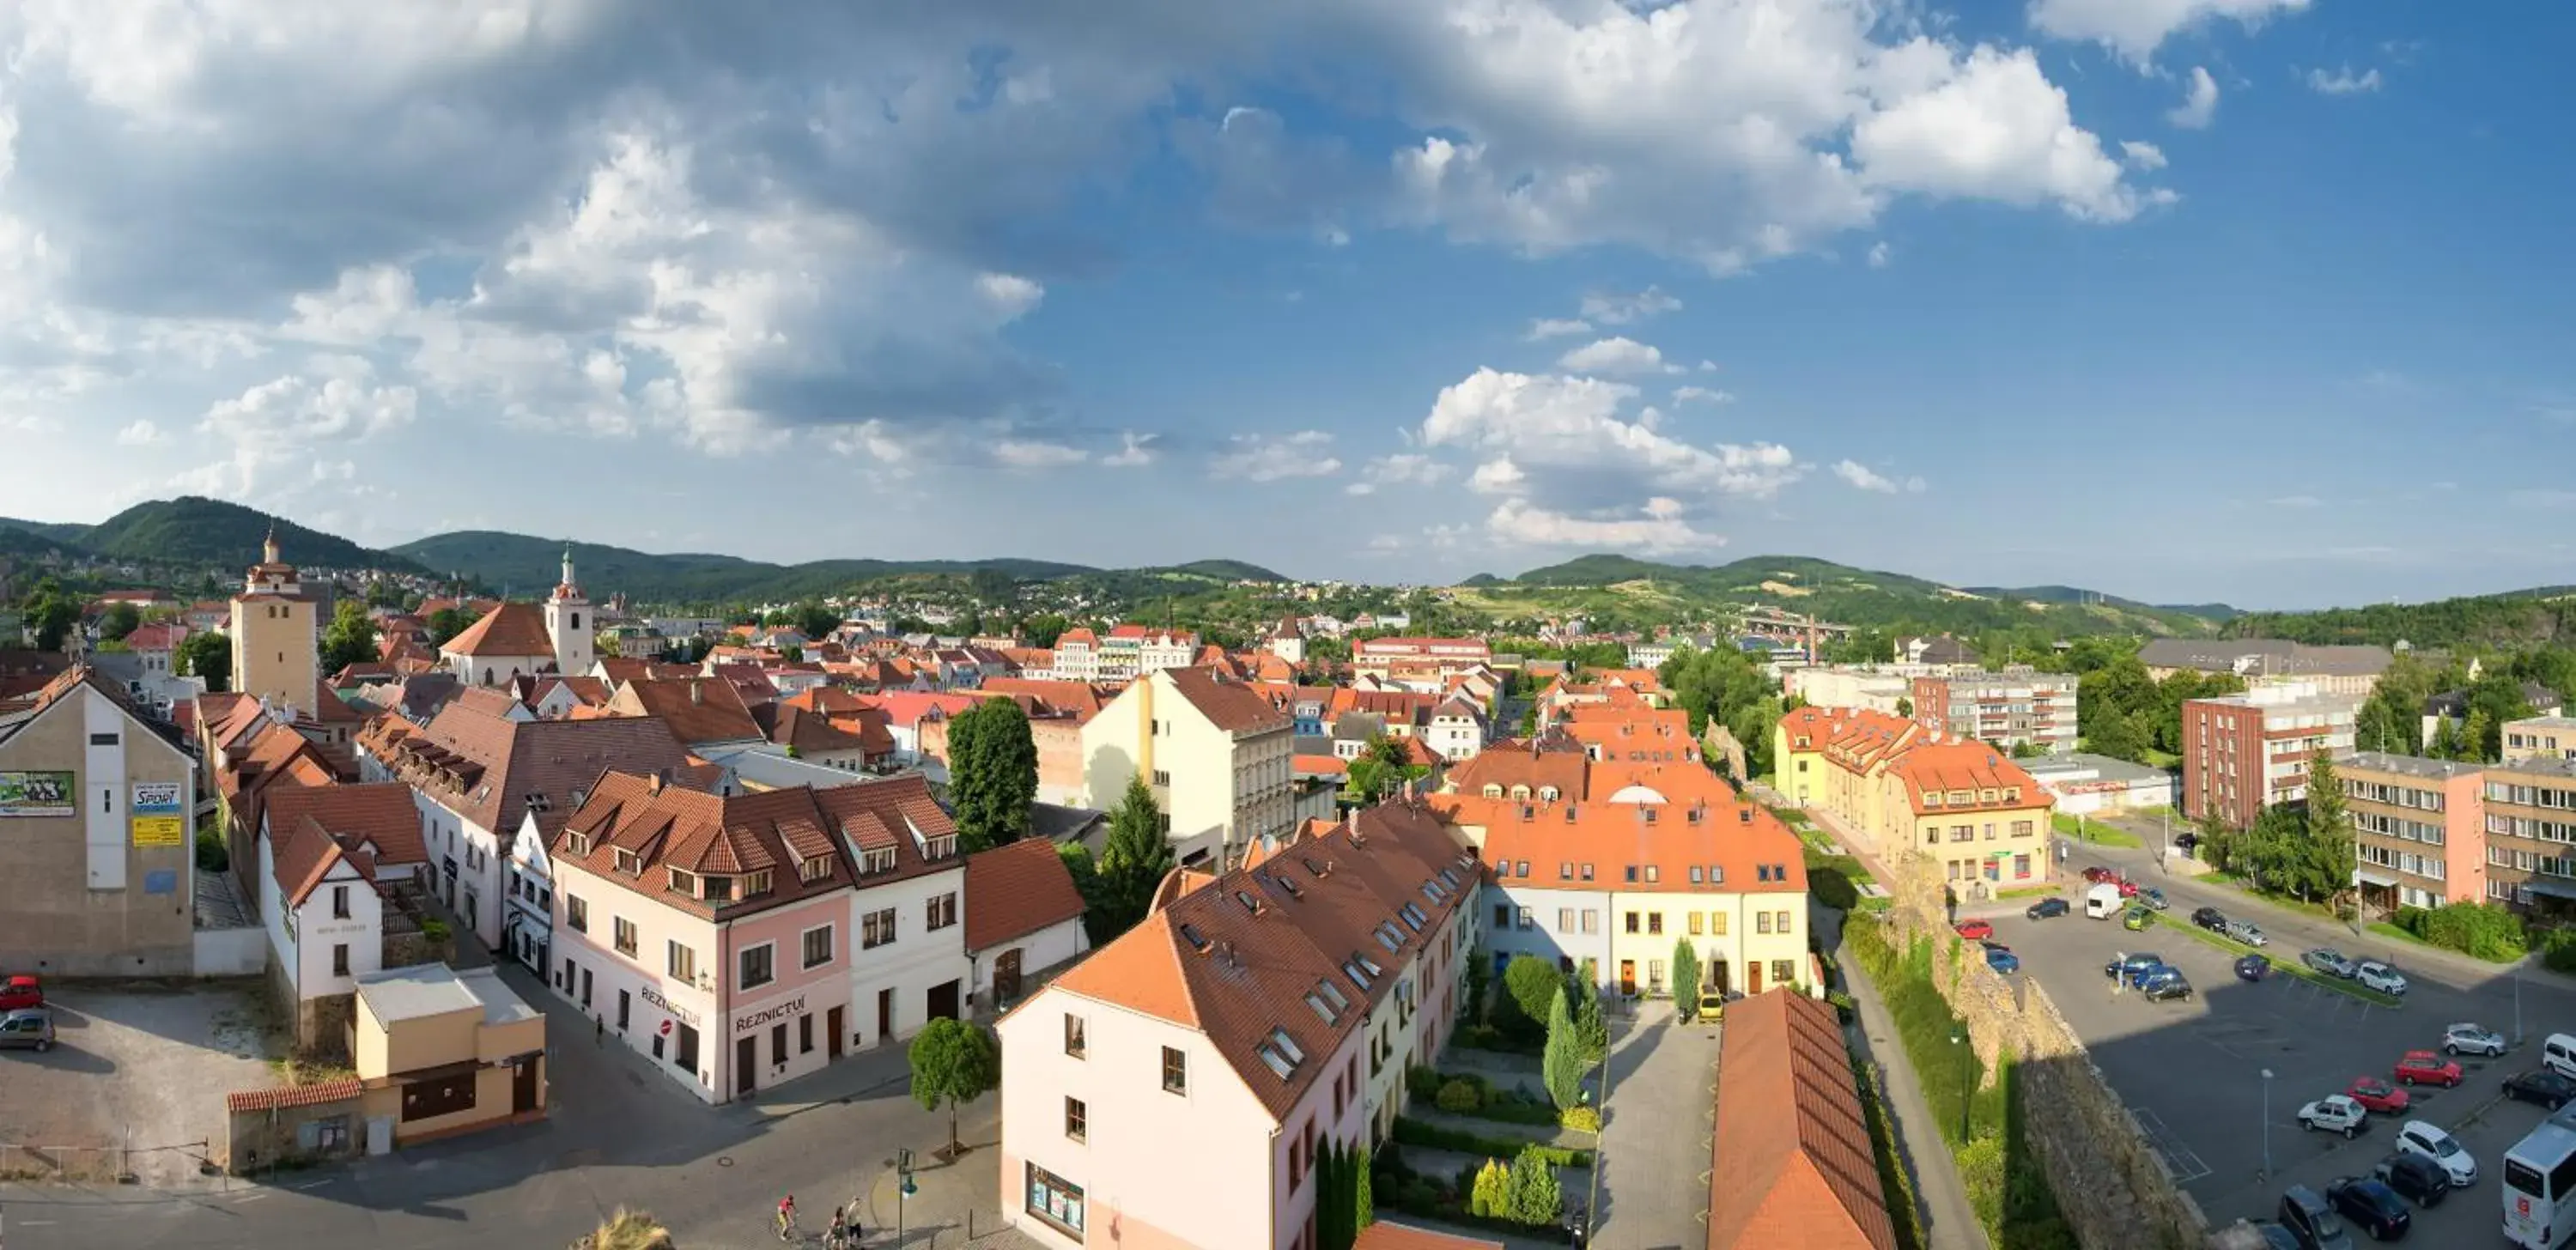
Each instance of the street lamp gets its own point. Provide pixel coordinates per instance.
(901, 1165)
(1958, 1040)
(2267, 1123)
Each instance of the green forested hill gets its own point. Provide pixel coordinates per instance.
(521, 563)
(211, 532)
(2522, 617)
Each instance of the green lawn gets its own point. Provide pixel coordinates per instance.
(2027, 891)
(2094, 831)
(2288, 965)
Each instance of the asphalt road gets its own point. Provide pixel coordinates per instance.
(2192, 1070)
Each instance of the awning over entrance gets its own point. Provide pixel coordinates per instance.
(2546, 888)
(2371, 876)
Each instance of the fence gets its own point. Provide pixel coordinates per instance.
(24, 1161)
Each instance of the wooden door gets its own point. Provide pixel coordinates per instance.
(885, 1015)
(836, 1033)
(746, 1058)
(1627, 976)
(1006, 977)
(943, 1001)
(1753, 976)
(523, 1086)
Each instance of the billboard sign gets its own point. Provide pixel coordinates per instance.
(38, 794)
(158, 815)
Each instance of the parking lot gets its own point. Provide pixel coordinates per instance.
(2192, 1070)
(136, 1065)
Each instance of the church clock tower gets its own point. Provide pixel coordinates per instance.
(570, 622)
(276, 633)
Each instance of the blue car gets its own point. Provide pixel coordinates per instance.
(2002, 960)
(2253, 968)
(2153, 899)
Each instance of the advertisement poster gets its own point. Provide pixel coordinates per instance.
(159, 819)
(37, 794)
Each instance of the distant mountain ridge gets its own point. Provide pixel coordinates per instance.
(196, 531)
(1871, 597)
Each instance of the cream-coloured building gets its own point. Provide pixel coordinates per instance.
(1216, 753)
(1954, 809)
(2540, 737)
(275, 632)
(1842, 686)
(441, 1052)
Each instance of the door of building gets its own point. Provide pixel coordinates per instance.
(523, 1086)
(1753, 976)
(623, 1003)
(943, 1001)
(1628, 976)
(885, 1014)
(684, 1053)
(833, 1033)
(746, 1058)
(1718, 972)
(1006, 977)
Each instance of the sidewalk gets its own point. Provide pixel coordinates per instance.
(1949, 1223)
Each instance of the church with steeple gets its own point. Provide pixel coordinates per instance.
(526, 639)
(276, 634)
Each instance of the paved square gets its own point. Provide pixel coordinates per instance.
(1654, 1161)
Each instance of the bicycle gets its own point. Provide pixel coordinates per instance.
(784, 1223)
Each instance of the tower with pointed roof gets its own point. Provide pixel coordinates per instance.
(571, 623)
(276, 633)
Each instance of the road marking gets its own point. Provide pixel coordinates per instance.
(2185, 1164)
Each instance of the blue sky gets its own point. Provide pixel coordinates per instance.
(2253, 300)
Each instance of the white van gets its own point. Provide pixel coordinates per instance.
(2559, 1055)
(2103, 902)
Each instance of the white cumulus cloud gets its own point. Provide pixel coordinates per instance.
(1135, 451)
(2199, 105)
(1400, 469)
(2143, 155)
(141, 433)
(1615, 309)
(2136, 28)
(2343, 81)
(1616, 355)
(1863, 477)
(1656, 528)
(1545, 328)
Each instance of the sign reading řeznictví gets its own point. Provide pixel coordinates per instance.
(37, 794)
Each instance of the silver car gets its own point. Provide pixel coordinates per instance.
(2247, 932)
(30, 1028)
(2375, 975)
(2329, 961)
(2473, 1039)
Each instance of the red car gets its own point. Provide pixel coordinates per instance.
(22, 990)
(2378, 1095)
(1976, 930)
(2425, 1067)
(2098, 873)
(2128, 888)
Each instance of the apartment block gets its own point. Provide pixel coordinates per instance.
(2531, 835)
(1386, 657)
(2016, 706)
(2244, 752)
(1176, 1089)
(1217, 754)
(1834, 685)
(2417, 827)
(1920, 799)
(2540, 737)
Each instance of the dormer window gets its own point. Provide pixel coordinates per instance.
(1931, 798)
(943, 847)
(756, 883)
(629, 862)
(816, 869)
(1370, 964)
(683, 882)
(879, 859)
(1549, 794)
(1288, 883)
(716, 889)
(1493, 791)
(577, 843)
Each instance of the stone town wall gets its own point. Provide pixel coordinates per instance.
(2113, 1189)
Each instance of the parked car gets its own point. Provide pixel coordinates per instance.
(2153, 898)
(2430, 1141)
(2425, 1067)
(2133, 965)
(2275, 1236)
(2549, 1089)
(2370, 1204)
(2473, 1039)
(2334, 1113)
(21, 990)
(2374, 975)
(2312, 1220)
(2128, 888)
(1712, 1006)
(2248, 932)
(2164, 983)
(2098, 873)
(2414, 1177)
(2046, 908)
(2002, 960)
(30, 1028)
(2329, 961)
(2253, 967)
(2136, 919)
(2378, 1095)
(1975, 930)
(2210, 918)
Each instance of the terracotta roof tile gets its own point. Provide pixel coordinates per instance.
(511, 630)
(300, 856)
(1013, 891)
(1229, 705)
(498, 764)
(1386, 1236)
(1753, 851)
(379, 812)
(287, 1096)
(1793, 1165)
(698, 710)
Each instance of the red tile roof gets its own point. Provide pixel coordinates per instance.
(811, 733)
(1235, 956)
(1231, 706)
(699, 709)
(486, 768)
(381, 813)
(287, 1096)
(1793, 1165)
(300, 856)
(1013, 891)
(1941, 767)
(1385, 1236)
(512, 630)
(1753, 852)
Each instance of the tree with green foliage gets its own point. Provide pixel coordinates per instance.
(994, 587)
(349, 639)
(1133, 862)
(1491, 1195)
(447, 623)
(120, 619)
(1537, 1199)
(1560, 1066)
(1685, 979)
(2475, 735)
(2115, 735)
(1529, 984)
(49, 614)
(1043, 629)
(1905, 707)
(1729, 687)
(209, 656)
(956, 1063)
(2330, 842)
(1332, 1166)
(816, 621)
(1363, 1193)
(992, 774)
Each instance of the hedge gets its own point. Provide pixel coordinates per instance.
(1413, 1132)
(2488, 931)
(1896, 1184)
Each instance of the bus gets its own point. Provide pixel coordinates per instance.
(2540, 1187)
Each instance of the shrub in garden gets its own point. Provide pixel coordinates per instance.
(1422, 1081)
(1581, 1119)
(1491, 1195)
(1536, 1198)
(1528, 983)
(1459, 1097)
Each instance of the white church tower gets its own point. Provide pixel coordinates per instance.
(569, 621)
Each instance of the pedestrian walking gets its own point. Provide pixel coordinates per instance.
(599, 1030)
